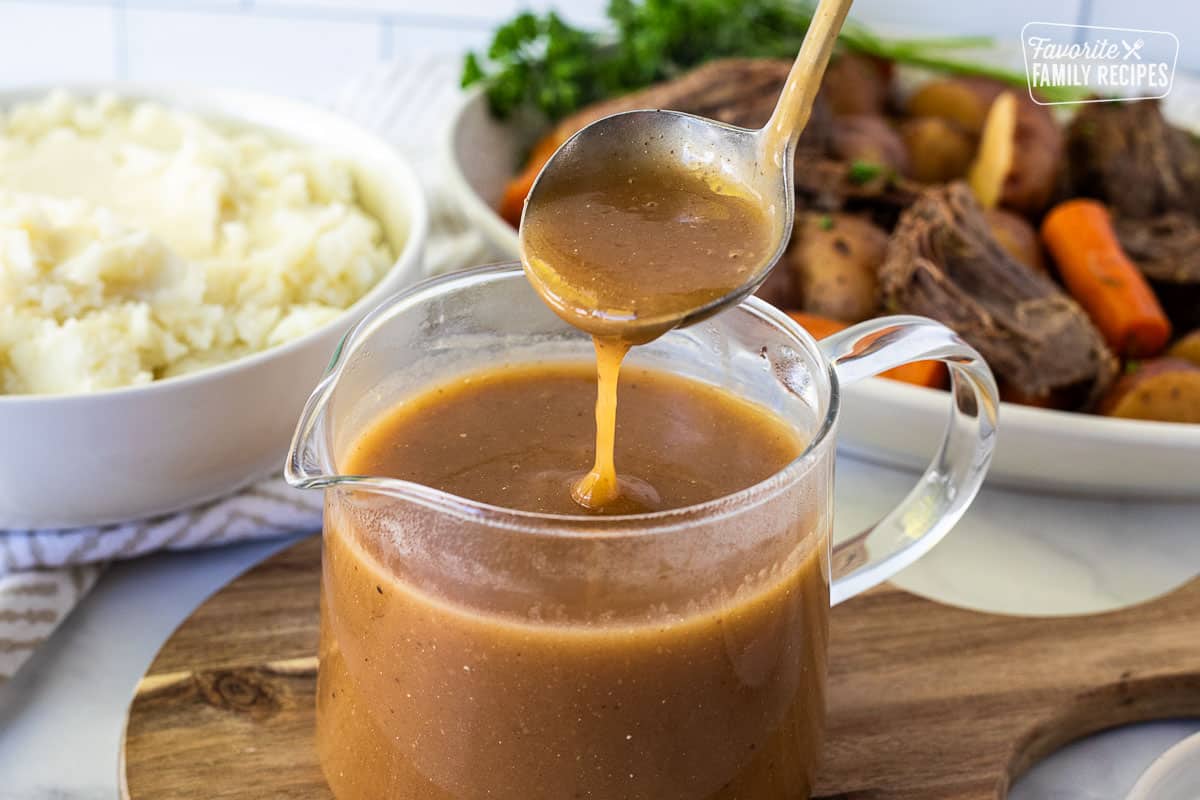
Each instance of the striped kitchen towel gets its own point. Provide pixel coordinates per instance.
(43, 574)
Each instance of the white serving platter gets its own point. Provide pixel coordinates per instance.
(890, 422)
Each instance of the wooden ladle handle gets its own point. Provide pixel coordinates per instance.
(796, 101)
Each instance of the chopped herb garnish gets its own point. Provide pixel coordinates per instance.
(861, 172)
(826, 222)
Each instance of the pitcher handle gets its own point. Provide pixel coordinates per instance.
(952, 480)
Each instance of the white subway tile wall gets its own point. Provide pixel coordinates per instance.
(308, 48)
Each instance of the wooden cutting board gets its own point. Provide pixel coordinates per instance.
(927, 702)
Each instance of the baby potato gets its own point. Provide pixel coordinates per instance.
(1037, 140)
(834, 259)
(1017, 237)
(1187, 348)
(938, 150)
(963, 101)
(1039, 151)
(871, 139)
(1164, 390)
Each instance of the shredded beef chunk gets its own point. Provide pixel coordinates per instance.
(943, 262)
(1167, 250)
(738, 91)
(1166, 247)
(876, 192)
(743, 92)
(1129, 156)
(1148, 171)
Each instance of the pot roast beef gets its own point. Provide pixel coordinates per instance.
(1130, 157)
(943, 262)
(823, 184)
(743, 92)
(1167, 250)
(737, 91)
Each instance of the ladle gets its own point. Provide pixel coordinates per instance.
(759, 160)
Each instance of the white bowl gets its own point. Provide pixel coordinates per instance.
(94, 459)
(1175, 775)
(888, 421)
(483, 154)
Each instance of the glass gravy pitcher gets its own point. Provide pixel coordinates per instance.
(470, 651)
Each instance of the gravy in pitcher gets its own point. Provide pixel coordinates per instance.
(436, 689)
(435, 692)
(519, 436)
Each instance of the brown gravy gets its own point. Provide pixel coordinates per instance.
(620, 247)
(426, 695)
(624, 252)
(519, 437)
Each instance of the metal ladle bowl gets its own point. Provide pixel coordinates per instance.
(758, 160)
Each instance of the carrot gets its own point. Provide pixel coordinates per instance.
(818, 326)
(512, 202)
(919, 373)
(1111, 289)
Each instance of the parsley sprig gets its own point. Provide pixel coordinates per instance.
(543, 62)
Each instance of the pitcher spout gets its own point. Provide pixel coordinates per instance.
(309, 462)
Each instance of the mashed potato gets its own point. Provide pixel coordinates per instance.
(139, 242)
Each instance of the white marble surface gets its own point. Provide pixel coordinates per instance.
(61, 718)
